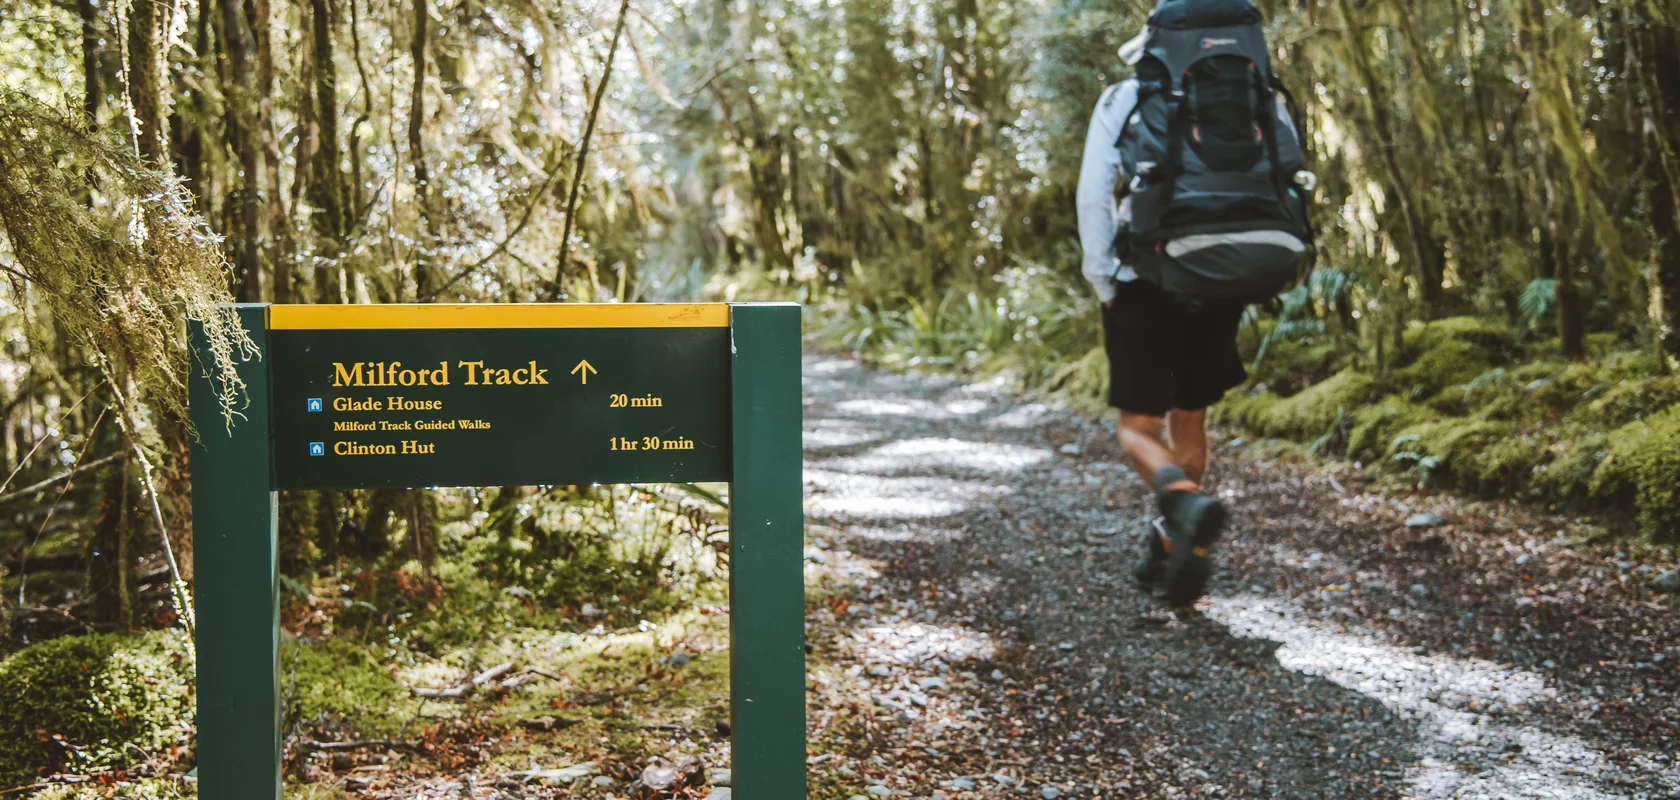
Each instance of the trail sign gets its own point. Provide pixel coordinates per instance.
(359, 396)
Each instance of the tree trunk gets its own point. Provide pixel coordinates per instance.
(1660, 62)
(335, 531)
(145, 89)
(356, 204)
(1425, 270)
(300, 536)
(424, 281)
(91, 91)
(241, 135)
(423, 528)
(111, 557)
(1570, 316)
(374, 535)
(329, 179)
(555, 288)
(282, 251)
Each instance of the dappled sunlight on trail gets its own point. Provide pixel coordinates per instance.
(964, 527)
(1473, 742)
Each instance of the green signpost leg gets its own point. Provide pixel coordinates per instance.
(766, 578)
(234, 571)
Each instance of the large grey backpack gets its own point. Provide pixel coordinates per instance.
(1212, 158)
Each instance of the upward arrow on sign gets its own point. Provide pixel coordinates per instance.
(582, 370)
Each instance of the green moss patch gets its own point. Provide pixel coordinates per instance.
(76, 703)
(1084, 383)
(1643, 465)
(1311, 412)
(1493, 339)
(1244, 409)
(1374, 427)
(341, 681)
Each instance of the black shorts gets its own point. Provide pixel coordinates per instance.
(1165, 354)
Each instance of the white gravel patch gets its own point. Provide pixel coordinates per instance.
(1468, 748)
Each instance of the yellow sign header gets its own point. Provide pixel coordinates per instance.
(498, 315)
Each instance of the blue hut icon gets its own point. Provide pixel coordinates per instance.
(317, 448)
(314, 404)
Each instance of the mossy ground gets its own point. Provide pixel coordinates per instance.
(1469, 407)
(80, 704)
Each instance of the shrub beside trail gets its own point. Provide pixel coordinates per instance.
(78, 703)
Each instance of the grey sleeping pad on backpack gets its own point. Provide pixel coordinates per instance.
(1212, 158)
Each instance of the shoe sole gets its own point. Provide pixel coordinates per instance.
(1189, 570)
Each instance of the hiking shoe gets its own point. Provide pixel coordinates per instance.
(1151, 567)
(1194, 524)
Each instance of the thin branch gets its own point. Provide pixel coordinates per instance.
(36, 487)
(181, 594)
(501, 247)
(390, 744)
(43, 439)
(23, 569)
(583, 153)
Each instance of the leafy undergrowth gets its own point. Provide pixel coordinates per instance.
(567, 638)
(92, 704)
(567, 709)
(1467, 407)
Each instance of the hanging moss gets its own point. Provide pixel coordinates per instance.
(1643, 465)
(76, 703)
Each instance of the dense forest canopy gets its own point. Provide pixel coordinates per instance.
(897, 163)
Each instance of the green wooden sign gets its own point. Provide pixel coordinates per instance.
(355, 396)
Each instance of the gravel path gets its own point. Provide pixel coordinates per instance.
(978, 633)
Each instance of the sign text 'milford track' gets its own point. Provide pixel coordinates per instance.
(392, 373)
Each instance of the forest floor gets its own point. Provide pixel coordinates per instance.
(976, 633)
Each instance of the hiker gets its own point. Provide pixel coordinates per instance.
(1210, 218)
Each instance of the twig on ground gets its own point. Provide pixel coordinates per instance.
(547, 723)
(391, 744)
(492, 673)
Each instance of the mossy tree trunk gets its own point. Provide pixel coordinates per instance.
(335, 528)
(241, 131)
(111, 551)
(300, 533)
(1426, 270)
(145, 94)
(1657, 44)
(423, 524)
(426, 281)
(373, 537)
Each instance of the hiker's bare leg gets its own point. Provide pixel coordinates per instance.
(1140, 437)
(1188, 434)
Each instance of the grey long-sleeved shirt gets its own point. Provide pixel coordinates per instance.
(1099, 216)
